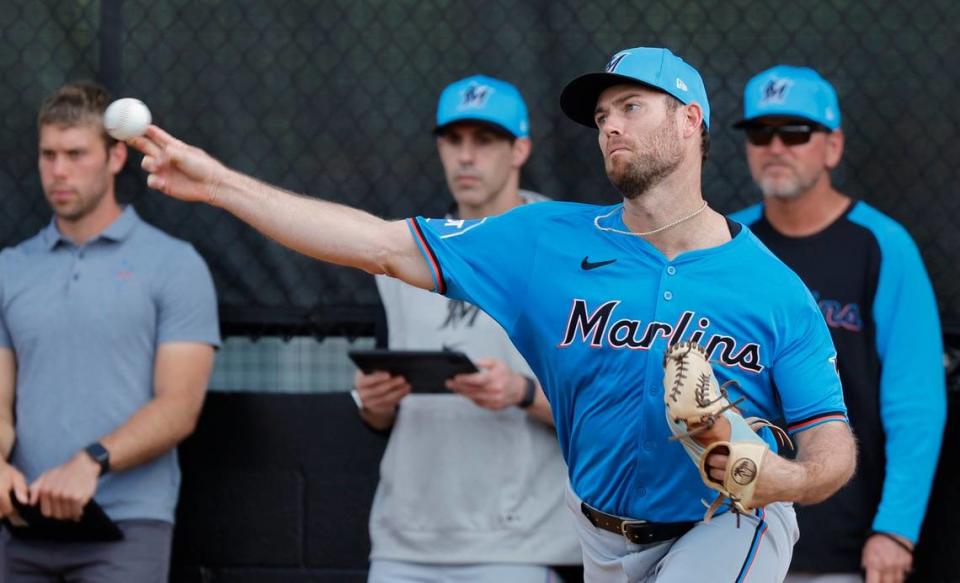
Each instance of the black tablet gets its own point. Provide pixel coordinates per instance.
(425, 370)
(30, 524)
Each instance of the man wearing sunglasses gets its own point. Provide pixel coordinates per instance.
(873, 290)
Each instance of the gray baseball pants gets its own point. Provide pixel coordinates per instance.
(384, 571)
(758, 551)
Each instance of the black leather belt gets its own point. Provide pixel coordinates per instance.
(639, 532)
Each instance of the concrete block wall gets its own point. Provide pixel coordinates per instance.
(276, 488)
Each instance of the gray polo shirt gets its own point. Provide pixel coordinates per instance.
(85, 322)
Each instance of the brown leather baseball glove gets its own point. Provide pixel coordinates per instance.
(704, 421)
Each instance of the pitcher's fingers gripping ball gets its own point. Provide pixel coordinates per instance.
(178, 169)
(703, 419)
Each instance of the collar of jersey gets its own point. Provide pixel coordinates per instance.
(610, 222)
(825, 232)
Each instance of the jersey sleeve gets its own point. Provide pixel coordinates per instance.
(485, 261)
(912, 384)
(187, 302)
(805, 371)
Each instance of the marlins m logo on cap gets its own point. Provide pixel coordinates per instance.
(775, 91)
(475, 95)
(612, 65)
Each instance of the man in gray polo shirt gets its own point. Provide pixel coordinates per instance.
(107, 335)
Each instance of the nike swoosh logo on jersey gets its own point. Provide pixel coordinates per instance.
(587, 265)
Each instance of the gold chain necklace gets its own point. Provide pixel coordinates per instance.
(703, 207)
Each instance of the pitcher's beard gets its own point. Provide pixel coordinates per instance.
(663, 155)
(643, 175)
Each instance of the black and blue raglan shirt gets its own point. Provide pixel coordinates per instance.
(870, 283)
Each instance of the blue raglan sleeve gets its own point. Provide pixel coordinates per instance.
(805, 368)
(483, 261)
(912, 384)
(748, 216)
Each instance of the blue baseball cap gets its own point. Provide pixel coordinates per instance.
(791, 92)
(654, 67)
(486, 100)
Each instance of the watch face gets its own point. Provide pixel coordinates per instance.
(99, 455)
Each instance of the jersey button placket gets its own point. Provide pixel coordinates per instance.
(670, 270)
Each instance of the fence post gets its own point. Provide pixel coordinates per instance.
(111, 45)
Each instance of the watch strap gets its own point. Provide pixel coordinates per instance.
(99, 454)
(529, 393)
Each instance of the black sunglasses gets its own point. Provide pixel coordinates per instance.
(790, 134)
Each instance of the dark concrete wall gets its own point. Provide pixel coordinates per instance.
(276, 488)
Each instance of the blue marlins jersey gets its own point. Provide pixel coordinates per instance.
(592, 309)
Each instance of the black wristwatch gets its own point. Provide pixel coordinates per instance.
(99, 454)
(529, 393)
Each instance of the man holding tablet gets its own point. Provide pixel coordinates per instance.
(472, 481)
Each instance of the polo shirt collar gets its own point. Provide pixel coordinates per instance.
(118, 230)
(121, 228)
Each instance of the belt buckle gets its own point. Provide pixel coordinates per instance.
(628, 522)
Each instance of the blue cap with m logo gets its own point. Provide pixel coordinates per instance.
(785, 91)
(487, 100)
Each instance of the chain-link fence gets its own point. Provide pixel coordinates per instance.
(336, 99)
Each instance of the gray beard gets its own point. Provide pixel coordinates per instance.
(792, 189)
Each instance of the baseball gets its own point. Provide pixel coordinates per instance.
(126, 118)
